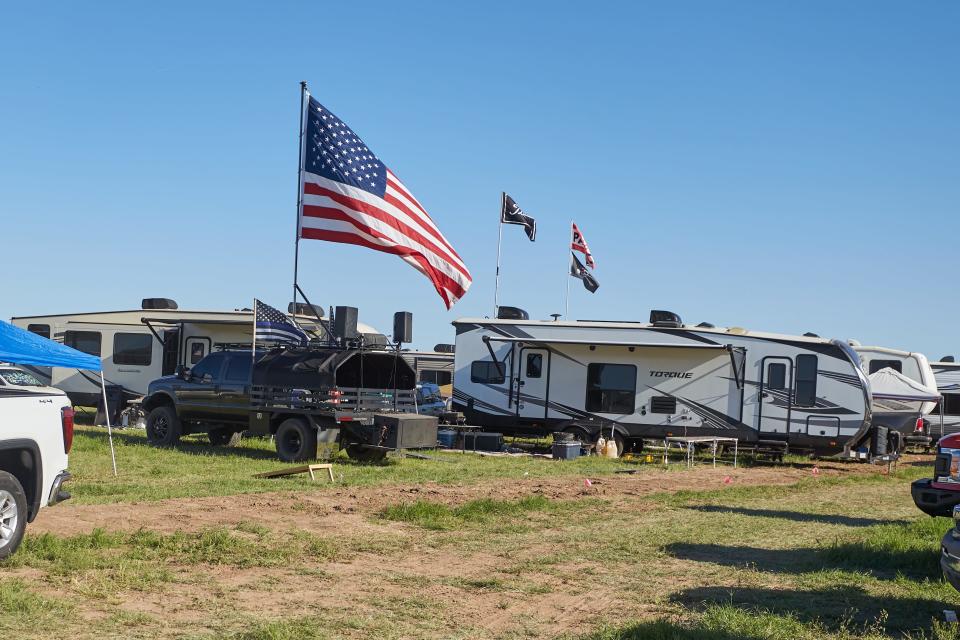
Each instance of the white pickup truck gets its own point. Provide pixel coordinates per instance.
(36, 433)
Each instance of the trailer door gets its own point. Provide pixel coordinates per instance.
(775, 397)
(532, 383)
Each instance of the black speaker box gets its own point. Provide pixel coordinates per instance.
(345, 322)
(403, 327)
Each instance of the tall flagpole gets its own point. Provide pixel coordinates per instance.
(296, 245)
(566, 304)
(496, 286)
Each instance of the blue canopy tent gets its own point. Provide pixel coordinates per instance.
(18, 346)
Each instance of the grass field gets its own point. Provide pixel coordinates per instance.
(186, 544)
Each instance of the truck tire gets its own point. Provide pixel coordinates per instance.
(13, 513)
(163, 427)
(221, 437)
(296, 441)
(361, 453)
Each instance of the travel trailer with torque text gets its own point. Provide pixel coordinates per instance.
(663, 378)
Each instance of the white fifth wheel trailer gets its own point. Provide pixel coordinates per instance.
(664, 378)
(897, 413)
(140, 345)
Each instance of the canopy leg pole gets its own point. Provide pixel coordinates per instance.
(106, 412)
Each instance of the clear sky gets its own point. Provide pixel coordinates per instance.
(775, 165)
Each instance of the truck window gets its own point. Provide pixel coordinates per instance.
(86, 341)
(238, 368)
(487, 372)
(210, 364)
(39, 329)
(806, 394)
(876, 365)
(132, 349)
(611, 388)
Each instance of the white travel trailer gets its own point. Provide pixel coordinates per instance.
(910, 363)
(137, 346)
(947, 374)
(663, 378)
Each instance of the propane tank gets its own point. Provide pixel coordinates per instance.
(601, 446)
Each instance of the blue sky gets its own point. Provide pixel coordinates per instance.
(775, 165)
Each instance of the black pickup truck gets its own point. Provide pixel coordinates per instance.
(362, 400)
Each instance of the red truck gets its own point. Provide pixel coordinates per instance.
(940, 496)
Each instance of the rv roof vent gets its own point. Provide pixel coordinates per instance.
(853, 343)
(158, 303)
(810, 334)
(947, 359)
(444, 348)
(706, 325)
(660, 318)
(512, 313)
(737, 330)
(304, 309)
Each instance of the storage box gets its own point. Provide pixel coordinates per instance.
(447, 438)
(483, 441)
(402, 431)
(566, 450)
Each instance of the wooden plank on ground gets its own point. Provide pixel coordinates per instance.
(289, 471)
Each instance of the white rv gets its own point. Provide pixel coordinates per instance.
(909, 363)
(137, 346)
(947, 374)
(650, 380)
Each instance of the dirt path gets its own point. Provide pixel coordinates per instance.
(332, 509)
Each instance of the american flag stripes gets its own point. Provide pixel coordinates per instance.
(272, 326)
(350, 196)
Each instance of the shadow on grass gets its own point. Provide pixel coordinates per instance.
(198, 445)
(797, 516)
(914, 563)
(834, 608)
(665, 630)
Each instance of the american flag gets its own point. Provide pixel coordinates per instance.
(273, 326)
(350, 196)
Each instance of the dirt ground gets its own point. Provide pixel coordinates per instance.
(331, 510)
(533, 602)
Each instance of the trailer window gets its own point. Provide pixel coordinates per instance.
(951, 405)
(132, 348)
(611, 388)
(39, 329)
(86, 341)
(534, 365)
(806, 394)
(776, 376)
(876, 365)
(487, 372)
(436, 377)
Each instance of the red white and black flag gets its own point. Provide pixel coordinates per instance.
(350, 196)
(579, 244)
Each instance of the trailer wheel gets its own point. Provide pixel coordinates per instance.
(163, 427)
(361, 453)
(222, 437)
(13, 513)
(296, 441)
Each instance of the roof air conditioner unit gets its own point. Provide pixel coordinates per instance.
(659, 318)
(158, 303)
(512, 313)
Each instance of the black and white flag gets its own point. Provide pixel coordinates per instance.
(511, 213)
(577, 270)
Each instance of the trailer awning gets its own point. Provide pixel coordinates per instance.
(666, 345)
